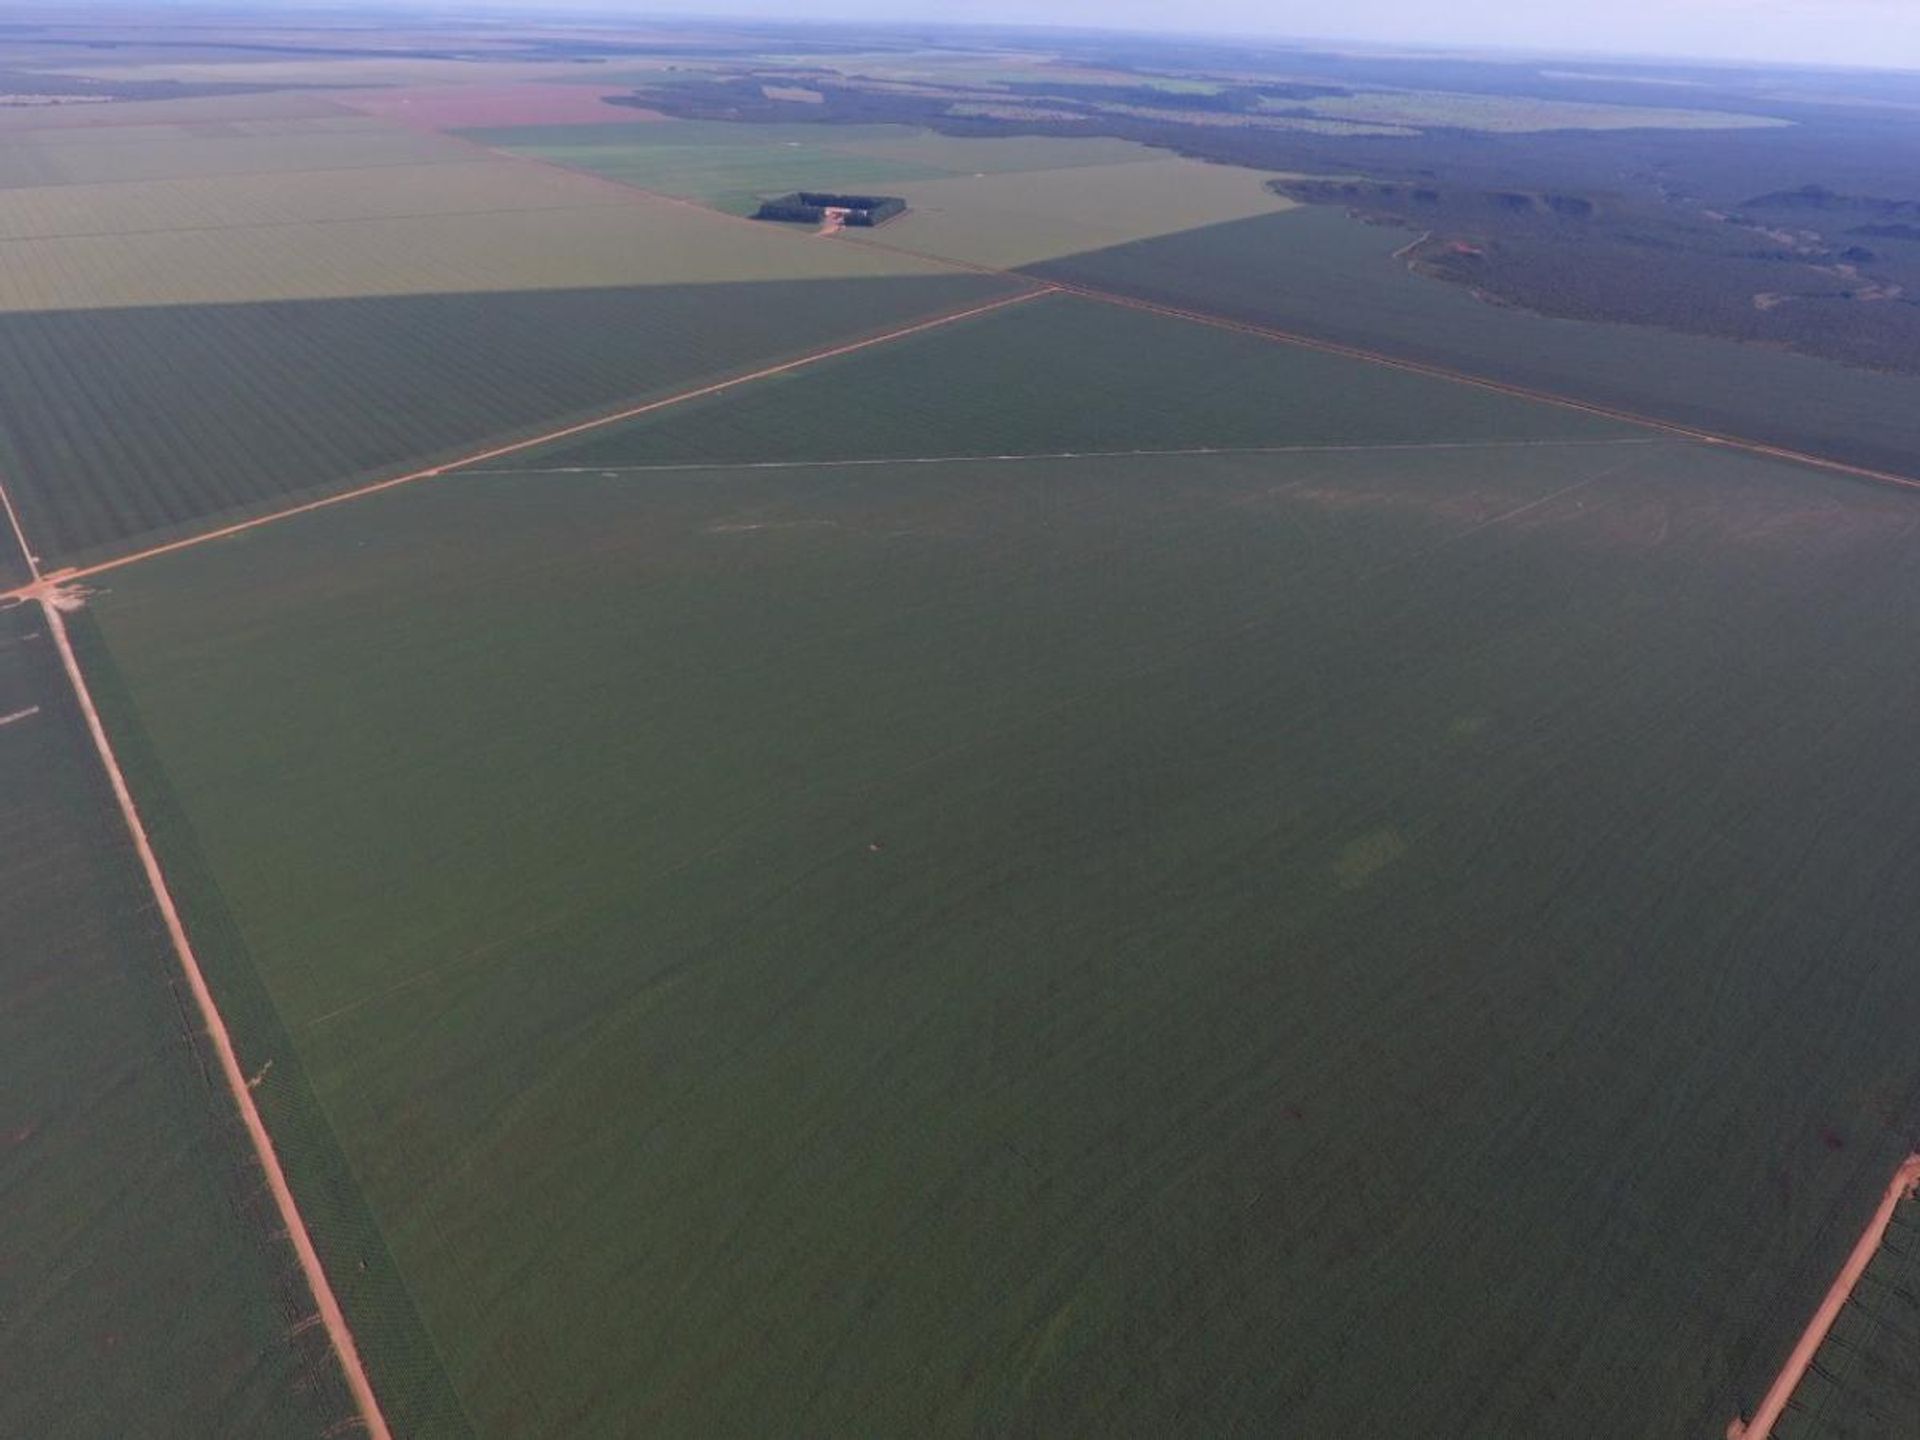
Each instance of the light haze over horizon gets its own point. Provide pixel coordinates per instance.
(1870, 33)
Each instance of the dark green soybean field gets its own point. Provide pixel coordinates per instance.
(1322, 944)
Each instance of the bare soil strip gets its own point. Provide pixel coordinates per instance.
(1191, 450)
(582, 427)
(1905, 1182)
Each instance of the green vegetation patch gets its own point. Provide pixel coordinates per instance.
(1316, 272)
(1065, 374)
(144, 1291)
(1238, 944)
(126, 424)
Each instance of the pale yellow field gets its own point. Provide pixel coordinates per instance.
(472, 186)
(283, 104)
(112, 154)
(1023, 217)
(348, 206)
(643, 242)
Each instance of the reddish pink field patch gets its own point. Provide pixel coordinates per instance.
(453, 107)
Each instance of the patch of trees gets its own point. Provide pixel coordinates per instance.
(811, 207)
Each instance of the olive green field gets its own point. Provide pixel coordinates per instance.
(1073, 946)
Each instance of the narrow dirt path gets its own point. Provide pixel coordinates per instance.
(1906, 1180)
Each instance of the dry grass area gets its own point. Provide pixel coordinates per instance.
(346, 207)
(1025, 217)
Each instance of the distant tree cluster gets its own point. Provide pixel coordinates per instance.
(811, 206)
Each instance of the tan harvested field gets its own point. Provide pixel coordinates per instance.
(122, 153)
(1024, 217)
(201, 109)
(645, 243)
(449, 107)
(968, 156)
(332, 197)
(471, 224)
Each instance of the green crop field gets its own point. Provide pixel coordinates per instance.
(1072, 873)
(1065, 374)
(1317, 272)
(123, 424)
(1077, 947)
(141, 1283)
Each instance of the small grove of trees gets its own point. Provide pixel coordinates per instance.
(811, 206)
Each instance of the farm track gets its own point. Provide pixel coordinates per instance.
(1906, 1180)
(327, 1306)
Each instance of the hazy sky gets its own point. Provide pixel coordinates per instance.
(1845, 32)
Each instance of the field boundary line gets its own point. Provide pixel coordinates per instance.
(1905, 1183)
(581, 427)
(20, 535)
(1008, 459)
(326, 1304)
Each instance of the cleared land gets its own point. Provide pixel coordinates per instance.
(142, 1290)
(125, 424)
(1076, 948)
(984, 202)
(1315, 272)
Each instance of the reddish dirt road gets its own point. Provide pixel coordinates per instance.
(328, 1307)
(1906, 1180)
